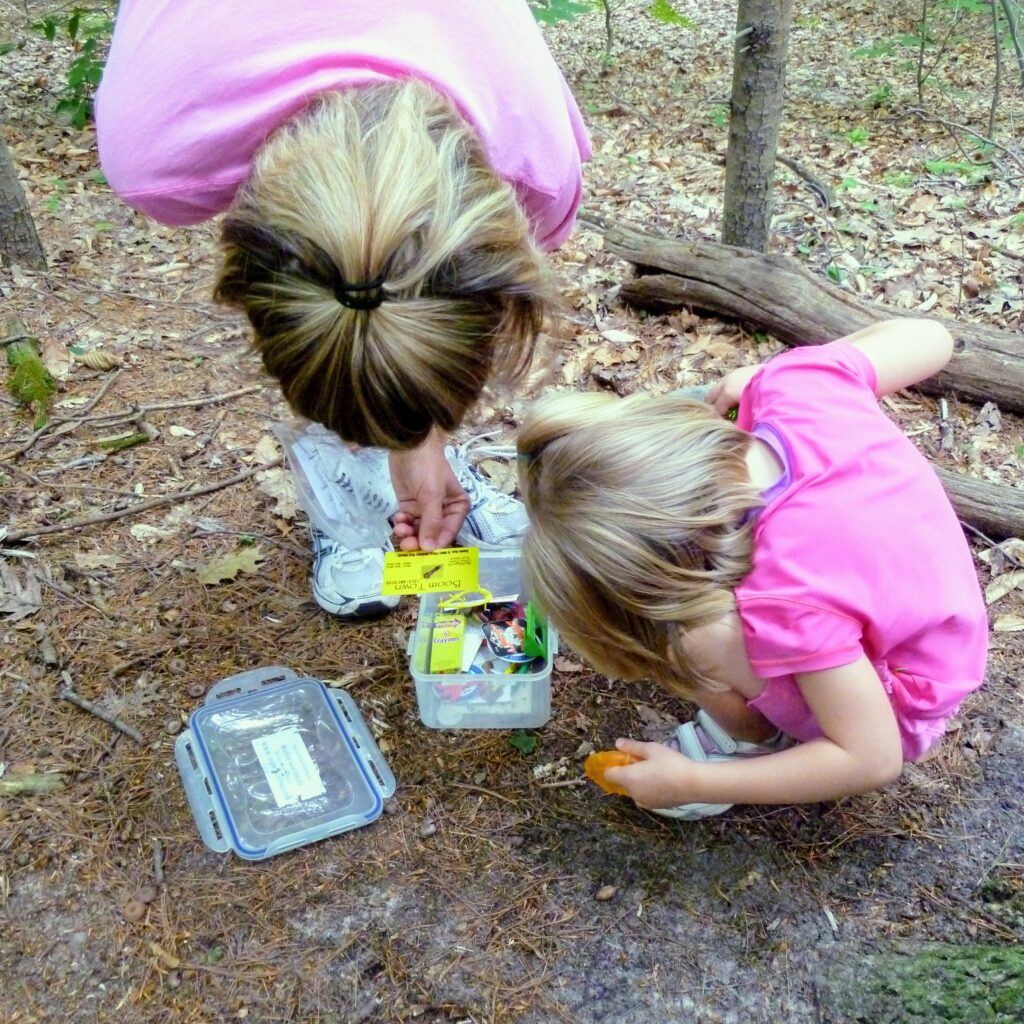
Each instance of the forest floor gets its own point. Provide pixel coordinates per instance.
(474, 898)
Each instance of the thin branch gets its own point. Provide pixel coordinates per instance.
(67, 693)
(93, 402)
(998, 83)
(922, 34)
(143, 506)
(953, 127)
(1011, 21)
(137, 412)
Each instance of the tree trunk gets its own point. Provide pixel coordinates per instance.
(19, 242)
(758, 77)
(775, 293)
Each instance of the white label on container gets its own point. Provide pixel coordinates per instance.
(291, 772)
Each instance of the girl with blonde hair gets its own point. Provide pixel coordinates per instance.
(389, 174)
(800, 574)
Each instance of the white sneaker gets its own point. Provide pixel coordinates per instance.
(703, 739)
(347, 581)
(496, 519)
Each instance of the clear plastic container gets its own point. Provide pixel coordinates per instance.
(456, 700)
(273, 761)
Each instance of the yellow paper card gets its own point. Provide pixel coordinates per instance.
(446, 643)
(430, 572)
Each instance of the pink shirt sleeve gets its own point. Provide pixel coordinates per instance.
(786, 636)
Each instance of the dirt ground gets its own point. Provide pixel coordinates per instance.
(474, 898)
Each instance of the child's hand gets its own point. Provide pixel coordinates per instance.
(661, 778)
(725, 395)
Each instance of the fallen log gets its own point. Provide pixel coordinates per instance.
(775, 293)
(995, 510)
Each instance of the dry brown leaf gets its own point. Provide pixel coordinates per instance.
(97, 560)
(169, 960)
(147, 534)
(619, 337)
(19, 599)
(1002, 585)
(227, 567)
(98, 359)
(278, 485)
(501, 474)
(565, 665)
(56, 358)
(266, 450)
(1008, 624)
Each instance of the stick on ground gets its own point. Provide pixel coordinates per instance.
(143, 506)
(71, 697)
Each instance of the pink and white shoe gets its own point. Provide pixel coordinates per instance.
(703, 739)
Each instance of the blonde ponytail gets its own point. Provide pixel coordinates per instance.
(638, 526)
(387, 271)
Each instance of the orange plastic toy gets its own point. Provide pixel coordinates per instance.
(599, 762)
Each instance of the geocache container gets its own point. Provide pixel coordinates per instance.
(460, 700)
(274, 761)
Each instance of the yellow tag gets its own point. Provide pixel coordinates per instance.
(446, 643)
(430, 572)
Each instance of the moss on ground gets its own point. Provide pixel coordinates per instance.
(975, 984)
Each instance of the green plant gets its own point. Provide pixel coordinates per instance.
(52, 202)
(881, 95)
(89, 30)
(663, 11)
(858, 136)
(550, 12)
(524, 742)
(720, 115)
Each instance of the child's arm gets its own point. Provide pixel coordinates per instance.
(861, 751)
(904, 351)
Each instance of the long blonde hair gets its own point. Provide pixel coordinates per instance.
(639, 530)
(383, 185)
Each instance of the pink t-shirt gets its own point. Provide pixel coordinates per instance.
(192, 88)
(857, 550)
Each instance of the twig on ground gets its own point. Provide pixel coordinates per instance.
(158, 862)
(30, 783)
(142, 506)
(299, 552)
(8, 456)
(1012, 559)
(480, 789)
(68, 693)
(562, 784)
(953, 127)
(135, 413)
(819, 189)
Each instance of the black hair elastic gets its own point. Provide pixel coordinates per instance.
(351, 295)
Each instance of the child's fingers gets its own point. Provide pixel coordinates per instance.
(635, 747)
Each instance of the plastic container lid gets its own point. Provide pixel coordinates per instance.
(273, 761)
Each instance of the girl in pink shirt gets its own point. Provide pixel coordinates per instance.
(799, 575)
(390, 172)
